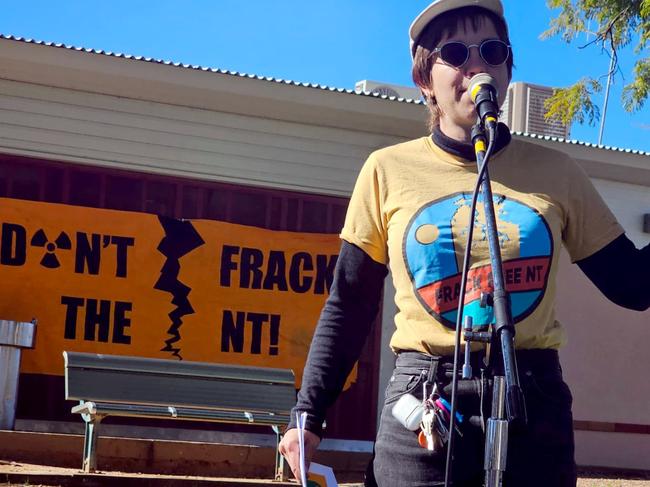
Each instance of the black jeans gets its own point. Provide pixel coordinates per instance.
(541, 454)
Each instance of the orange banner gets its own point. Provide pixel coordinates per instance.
(127, 283)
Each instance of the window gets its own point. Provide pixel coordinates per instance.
(160, 198)
(292, 214)
(124, 193)
(191, 202)
(216, 205)
(275, 220)
(249, 208)
(53, 191)
(314, 216)
(338, 217)
(56, 182)
(85, 188)
(26, 181)
(5, 171)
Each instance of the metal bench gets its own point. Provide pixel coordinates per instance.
(111, 385)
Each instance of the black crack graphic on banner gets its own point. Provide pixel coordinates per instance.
(179, 240)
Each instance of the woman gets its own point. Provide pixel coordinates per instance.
(410, 208)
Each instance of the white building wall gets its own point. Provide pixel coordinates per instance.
(629, 202)
(606, 360)
(613, 450)
(74, 126)
(387, 359)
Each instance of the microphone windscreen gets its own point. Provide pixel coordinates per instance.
(479, 80)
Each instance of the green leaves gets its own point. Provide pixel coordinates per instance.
(574, 103)
(645, 9)
(636, 93)
(614, 24)
(567, 24)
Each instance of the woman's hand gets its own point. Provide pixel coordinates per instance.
(290, 449)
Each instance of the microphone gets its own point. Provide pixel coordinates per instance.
(482, 89)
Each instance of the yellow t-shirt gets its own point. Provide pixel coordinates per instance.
(410, 209)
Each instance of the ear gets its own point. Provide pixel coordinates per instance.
(423, 82)
(427, 91)
(428, 94)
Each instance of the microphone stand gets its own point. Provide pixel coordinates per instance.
(508, 404)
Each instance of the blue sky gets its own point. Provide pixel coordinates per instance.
(329, 42)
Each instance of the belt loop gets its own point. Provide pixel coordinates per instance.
(433, 367)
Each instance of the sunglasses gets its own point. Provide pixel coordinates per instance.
(494, 52)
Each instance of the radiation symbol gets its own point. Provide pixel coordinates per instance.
(50, 260)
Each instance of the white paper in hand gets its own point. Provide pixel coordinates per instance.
(318, 475)
(300, 419)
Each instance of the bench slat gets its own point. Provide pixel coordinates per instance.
(136, 387)
(178, 367)
(189, 414)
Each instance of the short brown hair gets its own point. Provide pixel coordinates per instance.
(448, 23)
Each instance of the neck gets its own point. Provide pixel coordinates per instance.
(466, 149)
(456, 132)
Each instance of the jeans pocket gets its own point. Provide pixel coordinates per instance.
(550, 390)
(401, 384)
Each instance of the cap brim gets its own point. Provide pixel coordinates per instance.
(442, 6)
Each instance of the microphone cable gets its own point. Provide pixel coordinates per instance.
(461, 303)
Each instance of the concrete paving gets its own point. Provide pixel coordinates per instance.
(21, 474)
(29, 458)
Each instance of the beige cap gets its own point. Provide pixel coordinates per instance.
(441, 6)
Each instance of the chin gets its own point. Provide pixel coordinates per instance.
(470, 120)
(469, 114)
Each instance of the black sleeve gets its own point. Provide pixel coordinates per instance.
(341, 331)
(621, 271)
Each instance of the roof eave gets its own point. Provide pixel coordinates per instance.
(202, 88)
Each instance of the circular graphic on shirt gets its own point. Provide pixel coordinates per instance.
(434, 246)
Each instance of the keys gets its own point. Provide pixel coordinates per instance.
(428, 437)
(428, 431)
(443, 413)
(434, 425)
(441, 426)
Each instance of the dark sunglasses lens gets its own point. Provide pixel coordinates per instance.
(494, 52)
(454, 53)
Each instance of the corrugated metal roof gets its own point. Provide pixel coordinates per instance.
(293, 83)
(586, 144)
(211, 70)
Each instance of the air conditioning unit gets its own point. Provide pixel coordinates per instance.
(391, 91)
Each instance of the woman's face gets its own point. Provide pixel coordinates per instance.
(449, 84)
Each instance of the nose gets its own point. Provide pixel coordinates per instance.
(475, 63)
